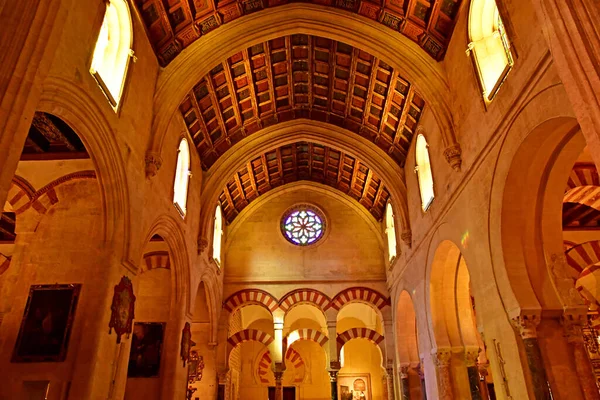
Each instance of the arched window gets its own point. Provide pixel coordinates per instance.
(182, 177)
(390, 231)
(113, 50)
(489, 46)
(423, 170)
(217, 235)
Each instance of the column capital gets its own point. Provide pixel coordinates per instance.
(404, 372)
(153, 164)
(333, 375)
(453, 154)
(442, 357)
(471, 356)
(527, 325)
(573, 324)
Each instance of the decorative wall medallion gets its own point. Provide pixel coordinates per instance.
(123, 305)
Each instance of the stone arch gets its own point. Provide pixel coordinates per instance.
(247, 335)
(250, 296)
(580, 256)
(20, 193)
(360, 294)
(201, 56)
(213, 295)
(291, 356)
(407, 346)
(156, 259)
(305, 295)
(302, 130)
(306, 334)
(359, 333)
(71, 103)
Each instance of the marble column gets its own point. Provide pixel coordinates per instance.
(471, 356)
(573, 325)
(483, 373)
(278, 385)
(404, 384)
(333, 381)
(527, 326)
(421, 372)
(389, 380)
(441, 359)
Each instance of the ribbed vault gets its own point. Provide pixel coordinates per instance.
(301, 76)
(172, 26)
(304, 161)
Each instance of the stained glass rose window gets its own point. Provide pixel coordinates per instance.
(303, 225)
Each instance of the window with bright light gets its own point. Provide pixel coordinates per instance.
(182, 177)
(489, 46)
(423, 170)
(113, 51)
(302, 225)
(390, 231)
(217, 235)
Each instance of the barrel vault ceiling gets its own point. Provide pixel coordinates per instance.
(301, 76)
(172, 25)
(309, 162)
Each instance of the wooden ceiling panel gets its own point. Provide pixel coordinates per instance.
(173, 25)
(304, 161)
(301, 76)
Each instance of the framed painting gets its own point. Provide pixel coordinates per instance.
(146, 349)
(354, 387)
(46, 325)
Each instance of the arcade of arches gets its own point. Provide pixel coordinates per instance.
(270, 199)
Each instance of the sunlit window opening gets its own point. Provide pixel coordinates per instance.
(217, 236)
(302, 225)
(390, 231)
(182, 177)
(489, 46)
(112, 51)
(423, 170)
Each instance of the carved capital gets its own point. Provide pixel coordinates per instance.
(442, 357)
(153, 164)
(278, 376)
(471, 356)
(573, 325)
(406, 237)
(453, 156)
(404, 372)
(202, 245)
(527, 325)
(333, 376)
(335, 366)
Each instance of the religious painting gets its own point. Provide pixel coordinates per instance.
(146, 348)
(122, 309)
(354, 387)
(46, 324)
(195, 367)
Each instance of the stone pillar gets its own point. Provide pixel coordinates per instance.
(441, 359)
(333, 381)
(389, 379)
(571, 28)
(526, 324)
(404, 383)
(278, 385)
(483, 373)
(421, 372)
(573, 325)
(471, 356)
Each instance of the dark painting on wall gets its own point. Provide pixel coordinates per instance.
(46, 325)
(146, 348)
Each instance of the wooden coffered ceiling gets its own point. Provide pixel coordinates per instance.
(50, 138)
(172, 25)
(304, 161)
(301, 76)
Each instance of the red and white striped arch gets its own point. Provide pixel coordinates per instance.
(248, 335)
(292, 357)
(306, 334)
(156, 259)
(360, 294)
(581, 256)
(583, 174)
(359, 333)
(248, 297)
(20, 194)
(299, 296)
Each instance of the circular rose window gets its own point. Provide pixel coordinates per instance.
(302, 225)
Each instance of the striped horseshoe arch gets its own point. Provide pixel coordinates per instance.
(359, 294)
(156, 259)
(306, 334)
(581, 256)
(248, 297)
(292, 357)
(358, 333)
(310, 296)
(249, 335)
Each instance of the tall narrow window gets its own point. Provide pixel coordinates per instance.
(489, 46)
(423, 170)
(390, 231)
(112, 51)
(182, 177)
(217, 236)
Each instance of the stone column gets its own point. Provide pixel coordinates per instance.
(573, 325)
(471, 356)
(278, 385)
(571, 28)
(389, 378)
(441, 359)
(333, 380)
(421, 371)
(526, 324)
(483, 373)
(404, 384)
